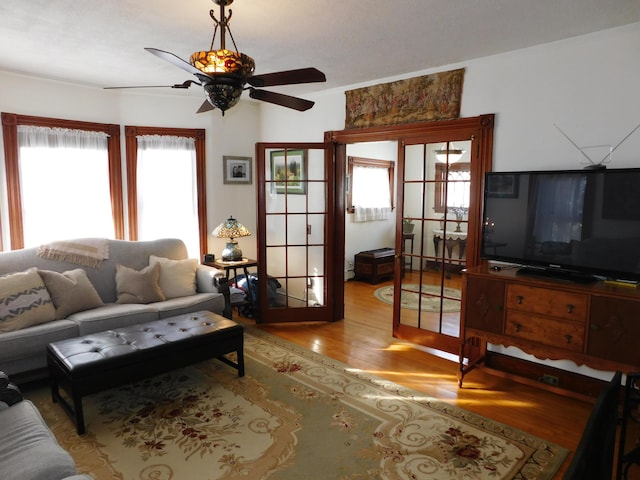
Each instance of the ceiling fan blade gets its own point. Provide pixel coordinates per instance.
(288, 77)
(178, 62)
(288, 101)
(205, 107)
(184, 85)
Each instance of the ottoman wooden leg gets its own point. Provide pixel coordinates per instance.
(76, 413)
(241, 362)
(79, 415)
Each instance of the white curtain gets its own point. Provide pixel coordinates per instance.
(371, 197)
(167, 190)
(64, 181)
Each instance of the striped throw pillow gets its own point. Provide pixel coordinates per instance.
(24, 301)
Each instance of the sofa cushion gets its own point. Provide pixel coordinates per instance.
(180, 306)
(135, 286)
(24, 301)
(177, 277)
(71, 291)
(113, 315)
(28, 448)
(31, 343)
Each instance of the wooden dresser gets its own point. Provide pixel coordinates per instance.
(594, 324)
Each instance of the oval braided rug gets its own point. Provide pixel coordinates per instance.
(430, 301)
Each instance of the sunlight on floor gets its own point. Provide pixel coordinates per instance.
(461, 404)
(424, 376)
(406, 346)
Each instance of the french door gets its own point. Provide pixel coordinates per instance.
(296, 273)
(434, 183)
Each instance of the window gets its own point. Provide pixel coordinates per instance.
(457, 179)
(165, 183)
(370, 194)
(63, 179)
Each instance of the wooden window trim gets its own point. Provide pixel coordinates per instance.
(131, 147)
(10, 122)
(369, 162)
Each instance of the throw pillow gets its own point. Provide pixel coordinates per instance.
(71, 291)
(177, 277)
(24, 301)
(135, 286)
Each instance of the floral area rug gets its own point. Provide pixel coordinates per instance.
(429, 301)
(295, 415)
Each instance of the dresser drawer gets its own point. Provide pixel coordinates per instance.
(544, 301)
(545, 330)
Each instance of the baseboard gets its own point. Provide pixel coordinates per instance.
(565, 383)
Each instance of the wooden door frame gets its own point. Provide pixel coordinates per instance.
(336, 308)
(479, 127)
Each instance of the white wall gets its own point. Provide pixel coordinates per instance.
(234, 134)
(586, 85)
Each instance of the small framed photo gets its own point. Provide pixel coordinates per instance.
(236, 170)
(290, 177)
(503, 186)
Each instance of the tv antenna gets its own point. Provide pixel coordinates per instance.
(606, 158)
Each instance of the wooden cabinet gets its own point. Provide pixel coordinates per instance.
(597, 324)
(614, 330)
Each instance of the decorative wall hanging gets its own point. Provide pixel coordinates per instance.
(430, 97)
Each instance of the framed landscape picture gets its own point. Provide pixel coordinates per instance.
(290, 177)
(236, 170)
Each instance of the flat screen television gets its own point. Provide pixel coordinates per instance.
(577, 224)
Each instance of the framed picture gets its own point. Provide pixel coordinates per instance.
(236, 169)
(289, 178)
(503, 186)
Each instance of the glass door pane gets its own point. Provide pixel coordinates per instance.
(296, 228)
(435, 204)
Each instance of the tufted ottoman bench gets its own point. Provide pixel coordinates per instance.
(90, 364)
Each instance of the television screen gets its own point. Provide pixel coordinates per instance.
(584, 221)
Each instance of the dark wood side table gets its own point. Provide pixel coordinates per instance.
(243, 264)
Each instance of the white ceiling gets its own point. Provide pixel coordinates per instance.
(100, 43)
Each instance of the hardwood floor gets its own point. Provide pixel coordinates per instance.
(364, 340)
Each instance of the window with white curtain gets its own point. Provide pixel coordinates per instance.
(64, 184)
(370, 189)
(456, 177)
(167, 194)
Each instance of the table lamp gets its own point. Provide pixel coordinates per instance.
(231, 229)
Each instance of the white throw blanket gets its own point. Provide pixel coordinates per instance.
(89, 252)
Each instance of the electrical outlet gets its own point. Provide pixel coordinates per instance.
(550, 379)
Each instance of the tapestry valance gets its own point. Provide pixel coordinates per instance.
(429, 97)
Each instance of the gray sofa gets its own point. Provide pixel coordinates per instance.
(28, 448)
(23, 351)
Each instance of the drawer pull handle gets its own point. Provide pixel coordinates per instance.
(569, 338)
(518, 327)
(519, 299)
(570, 308)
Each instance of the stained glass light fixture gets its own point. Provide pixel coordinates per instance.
(231, 229)
(230, 69)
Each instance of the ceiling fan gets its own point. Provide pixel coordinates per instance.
(223, 73)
